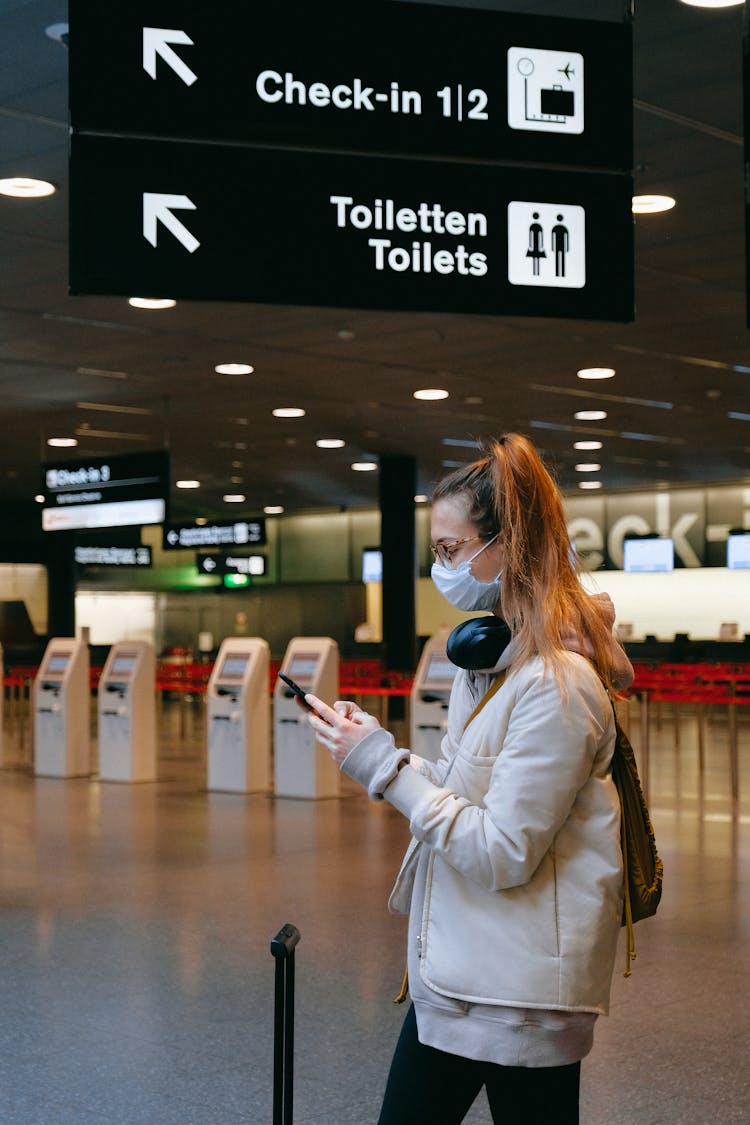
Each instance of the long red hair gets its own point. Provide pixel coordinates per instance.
(509, 492)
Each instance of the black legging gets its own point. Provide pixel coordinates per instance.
(430, 1087)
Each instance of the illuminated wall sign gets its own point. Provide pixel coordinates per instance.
(394, 234)
(113, 556)
(178, 537)
(414, 79)
(229, 563)
(105, 491)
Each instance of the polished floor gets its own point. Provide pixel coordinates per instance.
(136, 981)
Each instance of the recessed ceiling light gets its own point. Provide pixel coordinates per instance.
(713, 3)
(23, 187)
(587, 444)
(596, 373)
(652, 204)
(473, 400)
(288, 412)
(588, 468)
(364, 466)
(234, 369)
(151, 302)
(421, 499)
(330, 443)
(345, 334)
(188, 484)
(58, 32)
(589, 484)
(62, 442)
(590, 415)
(39, 498)
(430, 394)
(201, 521)
(273, 509)
(233, 498)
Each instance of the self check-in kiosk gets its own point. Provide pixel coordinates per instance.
(127, 713)
(302, 766)
(429, 698)
(61, 710)
(239, 717)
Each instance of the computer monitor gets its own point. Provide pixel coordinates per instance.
(738, 552)
(234, 666)
(302, 666)
(648, 555)
(372, 564)
(57, 663)
(441, 672)
(123, 665)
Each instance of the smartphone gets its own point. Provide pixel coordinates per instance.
(298, 691)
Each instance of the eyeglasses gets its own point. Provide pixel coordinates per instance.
(444, 551)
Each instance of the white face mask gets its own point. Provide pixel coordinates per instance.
(459, 586)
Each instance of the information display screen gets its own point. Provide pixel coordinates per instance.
(738, 552)
(440, 671)
(648, 555)
(123, 665)
(302, 666)
(234, 666)
(372, 565)
(57, 663)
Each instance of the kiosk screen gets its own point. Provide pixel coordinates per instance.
(738, 552)
(57, 663)
(123, 666)
(233, 667)
(440, 671)
(648, 555)
(302, 666)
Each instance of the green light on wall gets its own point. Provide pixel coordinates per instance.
(234, 581)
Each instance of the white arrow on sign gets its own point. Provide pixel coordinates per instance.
(209, 564)
(156, 41)
(158, 208)
(172, 537)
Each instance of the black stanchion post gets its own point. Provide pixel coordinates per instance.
(282, 948)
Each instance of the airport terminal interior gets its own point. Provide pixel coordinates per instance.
(224, 412)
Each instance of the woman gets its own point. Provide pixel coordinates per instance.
(513, 879)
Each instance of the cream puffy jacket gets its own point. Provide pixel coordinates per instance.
(521, 818)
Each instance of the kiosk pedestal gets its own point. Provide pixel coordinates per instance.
(127, 713)
(429, 697)
(61, 711)
(239, 714)
(303, 767)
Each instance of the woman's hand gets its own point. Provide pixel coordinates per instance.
(340, 727)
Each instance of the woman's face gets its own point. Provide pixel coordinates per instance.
(450, 522)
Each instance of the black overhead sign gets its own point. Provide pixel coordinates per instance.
(136, 556)
(99, 492)
(288, 227)
(381, 77)
(746, 122)
(179, 537)
(421, 157)
(254, 566)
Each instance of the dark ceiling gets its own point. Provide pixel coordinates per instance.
(121, 379)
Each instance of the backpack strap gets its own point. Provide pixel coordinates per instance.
(494, 687)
